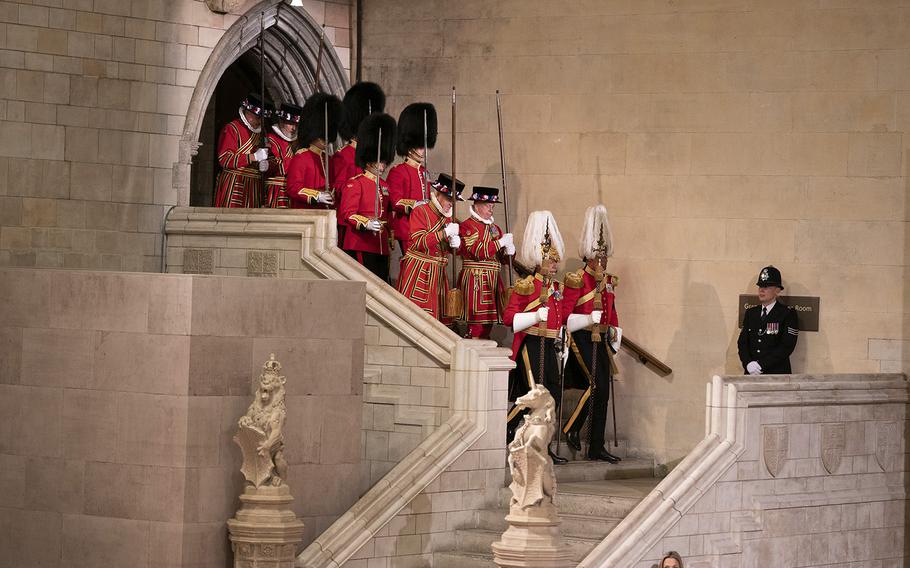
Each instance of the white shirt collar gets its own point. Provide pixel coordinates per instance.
(247, 124)
(439, 207)
(770, 307)
(479, 218)
(279, 132)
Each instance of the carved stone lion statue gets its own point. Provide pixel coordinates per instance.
(533, 479)
(260, 430)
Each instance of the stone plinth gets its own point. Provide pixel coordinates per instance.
(265, 531)
(532, 540)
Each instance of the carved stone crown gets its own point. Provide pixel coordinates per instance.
(271, 367)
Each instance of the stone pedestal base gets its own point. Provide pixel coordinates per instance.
(265, 532)
(532, 540)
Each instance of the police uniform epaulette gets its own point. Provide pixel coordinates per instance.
(525, 286)
(575, 279)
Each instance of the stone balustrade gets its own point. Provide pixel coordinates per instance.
(797, 470)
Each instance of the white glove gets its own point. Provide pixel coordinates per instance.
(510, 250)
(261, 154)
(264, 166)
(543, 314)
(523, 321)
(753, 368)
(578, 321)
(451, 230)
(325, 197)
(595, 316)
(506, 241)
(373, 225)
(455, 242)
(616, 343)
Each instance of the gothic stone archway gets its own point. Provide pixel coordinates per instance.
(291, 49)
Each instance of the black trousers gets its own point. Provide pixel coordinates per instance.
(378, 264)
(528, 370)
(597, 393)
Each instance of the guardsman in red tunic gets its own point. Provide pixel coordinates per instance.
(361, 100)
(364, 204)
(306, 179)
(281, 150)
(594, 327)
(483, 249)
(536, 312)
(409, 181)
(434, 235)
(239, 183)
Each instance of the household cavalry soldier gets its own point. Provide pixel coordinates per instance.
(484, 247)
(281, 149)
(239, 183)
(770, 329)
(408, 181)
(537, 313)
(364, 206)
(434, 235)
(306, 173)
(595, 335)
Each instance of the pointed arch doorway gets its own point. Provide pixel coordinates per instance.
(291, 48)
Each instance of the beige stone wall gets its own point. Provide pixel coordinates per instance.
(722, 136)
(808, 470)
(93, 97)
(120, 394)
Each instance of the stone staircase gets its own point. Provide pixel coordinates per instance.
(592, 498)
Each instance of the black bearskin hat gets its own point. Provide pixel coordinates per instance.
(361, 99)
(312, 123)
(368, 140)
(410, 127)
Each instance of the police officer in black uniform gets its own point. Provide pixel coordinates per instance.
(769, 331)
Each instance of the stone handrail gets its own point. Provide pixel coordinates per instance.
(728, 399)
(470, 362)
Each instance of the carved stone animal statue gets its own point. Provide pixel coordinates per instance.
(533, 479)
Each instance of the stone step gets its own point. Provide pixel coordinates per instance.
(578, 526)
(455, 559)
(585, 470)
(609, 498)
(478, 541)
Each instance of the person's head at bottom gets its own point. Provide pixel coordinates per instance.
(671, 560)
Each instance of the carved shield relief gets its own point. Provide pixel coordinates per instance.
(256, 467)
(887, 444)
(833, 442)
(775, 446)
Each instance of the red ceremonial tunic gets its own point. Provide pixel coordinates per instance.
(306, 178)
(585, 302)
(526, 298)
(406, 187)
(358, 206)
(280, 154)
(342, 166)
(422, 277)
(238, 183)
(479, 279)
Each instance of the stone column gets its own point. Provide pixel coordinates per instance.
(532, 540)
(265, 532)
